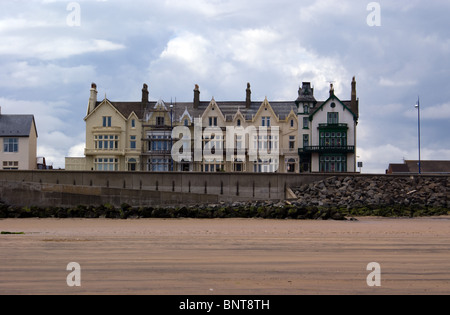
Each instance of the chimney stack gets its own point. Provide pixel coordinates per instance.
(145, 94)
(92, 98)
(354, 103)
(248, 100)
(196, 97)
(354, 91)
(331, 90)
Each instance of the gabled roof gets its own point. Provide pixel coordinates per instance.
(16, 125)
(125, 108)
(346, 104)
(230, 108)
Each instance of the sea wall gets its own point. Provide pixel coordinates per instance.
(70, 189)
(74, 188)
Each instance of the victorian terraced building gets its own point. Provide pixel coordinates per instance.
(303, 135)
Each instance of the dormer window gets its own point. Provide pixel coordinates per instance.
(238, 122)
(186, 122)
(212, 121)
(160, 121)
(306, 109)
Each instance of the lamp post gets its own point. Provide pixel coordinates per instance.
(171, 130)
(418, 110)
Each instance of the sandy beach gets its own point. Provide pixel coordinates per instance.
(225, 256)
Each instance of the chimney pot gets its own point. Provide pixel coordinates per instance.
(145, 94)
(248, 100)
(196, 96)
(93, 98)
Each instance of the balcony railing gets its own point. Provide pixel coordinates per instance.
(158, 152)
(333, 126)
(327, 149)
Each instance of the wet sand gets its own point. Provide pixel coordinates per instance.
(225, 257)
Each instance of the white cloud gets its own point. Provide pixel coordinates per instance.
(231, 58)
(397, 83)
(77, 150)
(22, 74)
(53, 48)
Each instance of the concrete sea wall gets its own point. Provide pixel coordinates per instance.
(70, 189)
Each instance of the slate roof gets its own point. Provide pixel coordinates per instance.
(16, 125)
(229, 108)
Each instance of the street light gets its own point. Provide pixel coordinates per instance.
(418, 110)
(171, 130)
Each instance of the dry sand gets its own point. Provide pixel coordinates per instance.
(225, 257)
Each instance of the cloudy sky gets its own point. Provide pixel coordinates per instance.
(52, 50)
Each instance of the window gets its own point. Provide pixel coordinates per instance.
(106, 164)
(238, 122)
(238, 165)
(106, 142)
(213, 121)
(306, 109)
(239, 143)
(106, 121)
(132, 165)
(133, 123)
(160, 143)
(305, 141)
(265, 122)
(305, 123)
(333, 139)
(265, 166)
(10, 165)
(11, 145)
(214, 143)
(290, 166)
(291, 143)
(212, 166)
(159, 121)
(292, 123)
(333, 163)
(333, 118)
(133, 142)
(186, 122)
(265, 143)
(159, 165)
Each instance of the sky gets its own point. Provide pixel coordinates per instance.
(52, 50)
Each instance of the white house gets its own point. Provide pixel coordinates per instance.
(328, 131)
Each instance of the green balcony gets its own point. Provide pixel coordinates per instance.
(333, 126)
